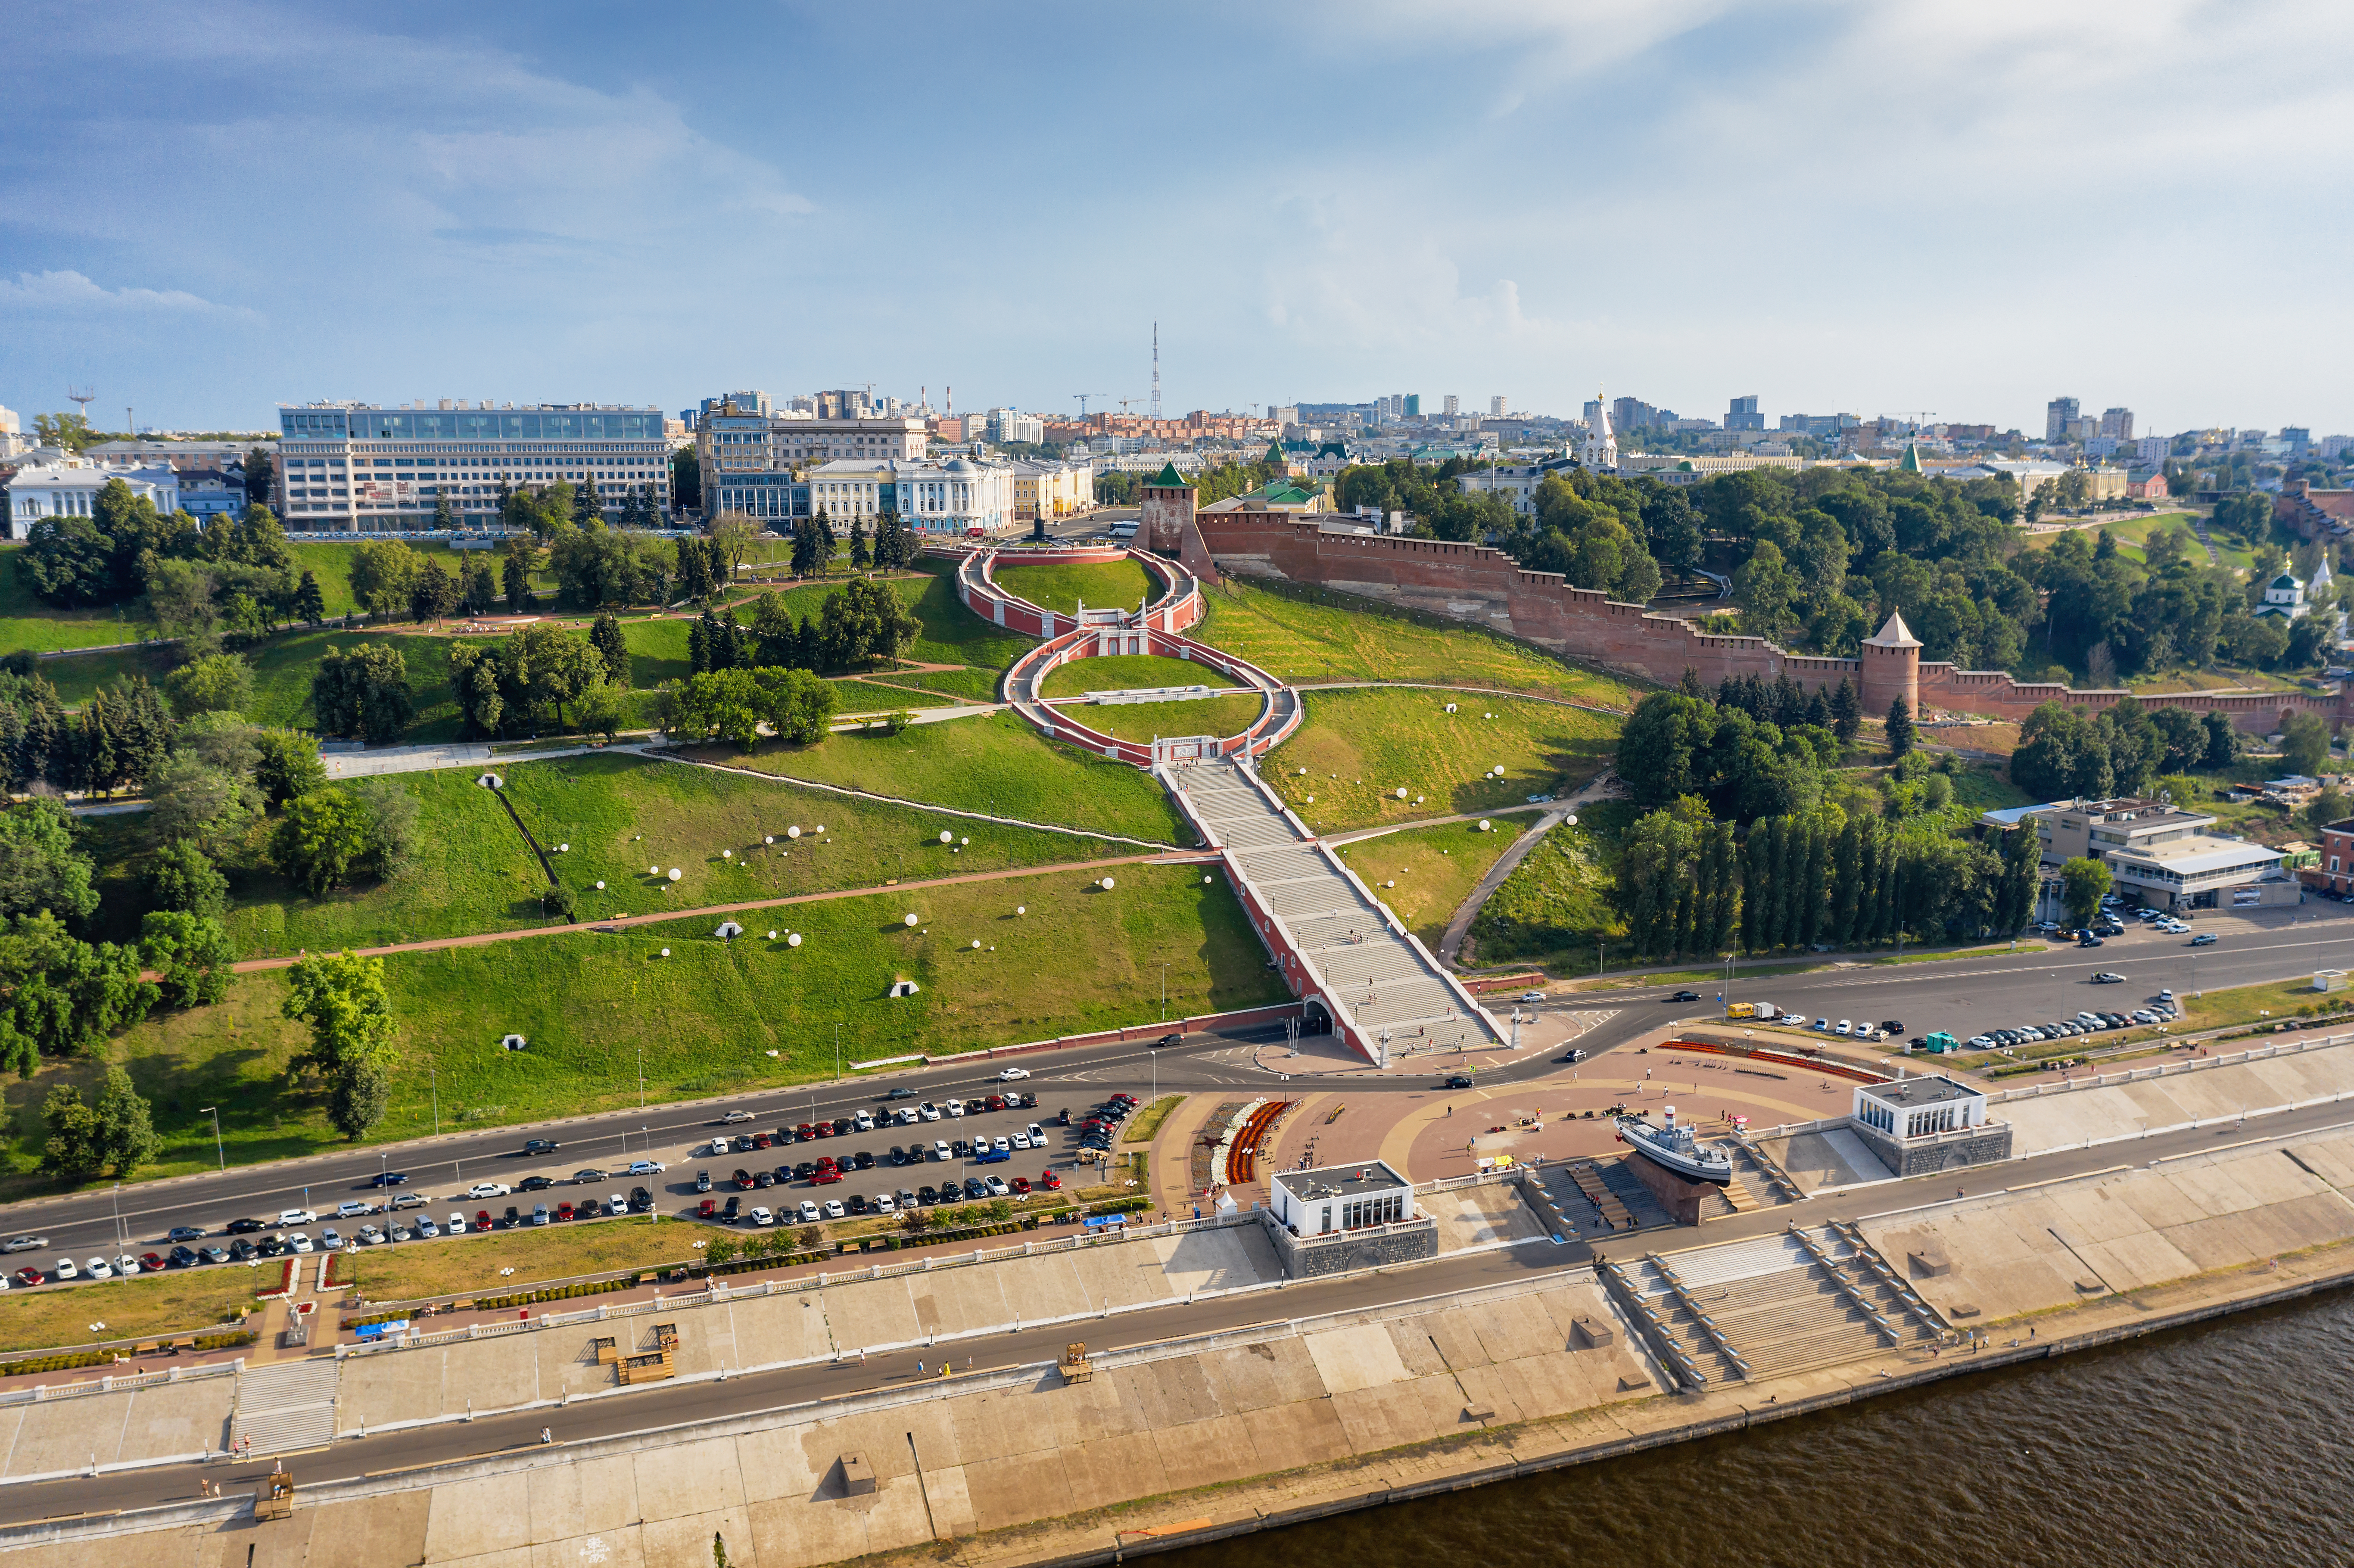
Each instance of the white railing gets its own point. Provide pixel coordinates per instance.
(2170, 1069)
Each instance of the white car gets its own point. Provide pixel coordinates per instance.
(809, 1213)
(1012, 1074)
(1038, 1136)
(1003, 1146)
(24, 1243)
(929, 1111)
(368, 1235)
(760, 1216)
(426, 1227)
(906, 1116)
(736, 1116)
(301, 1242)
(125, 1264)
(940, 1152)
(1532, 996)
(646, 1168)
(997, 1187)
(954, 1108)
(1020, 1140)
(456, 1227)
(97, 1270)
(1844, 1027)
(291, 1217)
(717, 1145)
(833, 1209)
(864, 1121)
(489, 1190)
(616, 1204)
(882, 1203)
(66, 1270)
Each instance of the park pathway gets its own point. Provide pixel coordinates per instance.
(1451, 941)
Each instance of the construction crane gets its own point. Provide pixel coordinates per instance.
(1083, 397)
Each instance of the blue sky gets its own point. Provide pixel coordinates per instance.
(1876, 208)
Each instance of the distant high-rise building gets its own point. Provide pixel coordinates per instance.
(1454, 405)
(2084, 428)
(1413, 406)
(2298, 437)
(1496, 407)
(2059, 418)
(2117, 422)
(1284, 413)
(2151, 451)
(1632, 413)
(1744, 416)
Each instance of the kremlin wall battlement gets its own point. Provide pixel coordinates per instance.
(1484, 586)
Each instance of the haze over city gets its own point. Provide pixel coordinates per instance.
(1867, 207)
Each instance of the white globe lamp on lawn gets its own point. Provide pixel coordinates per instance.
(1108, 885)
(1022, 909)
(911, 919)
(947, 838)
(600, 887)
(792, 833)
(794, 940)
(772, 936)
(675, 874)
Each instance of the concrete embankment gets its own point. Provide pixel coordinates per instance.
(1293, 1420)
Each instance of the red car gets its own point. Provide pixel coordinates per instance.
(482, 1219)
(153, 1262)
(708, 1207)
(563, 1210)
(826, 1175)
(761, 1140)
(28, 1277)
(804, 1133)
(997, 1102)
(823, 1129)
(1049, 1182)
(1021, 1186)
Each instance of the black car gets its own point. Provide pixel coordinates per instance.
(1892, 1025)
(898, 1155)
(927, 1195)
(857, 1203)
(639, 1199)
(535, 1184)
(702, 1180)
(1574, 1054)
(1457, 1081)
(960, 1147)
(389, 1178)
(863, 1159)
(1685, 996)
(243, 1227)
(541, 1146)
(902, 1093)
(735, 1206)
(805, 1170)
(2088, 940)
(242, 1250)
(783, 1135)
(181, 1257)
(764, 1179)
(974, 1187)
(185, 1233)
(843, 1127)
(270, 1246)
(1063, 1117)
(1170, 1040)
(740, 1144)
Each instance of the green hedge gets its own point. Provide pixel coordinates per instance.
(72, 1360)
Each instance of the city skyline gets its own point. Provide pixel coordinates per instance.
(265, 206)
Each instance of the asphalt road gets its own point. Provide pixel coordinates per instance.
(1962, 996)
(671, 1405)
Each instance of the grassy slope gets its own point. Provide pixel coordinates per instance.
(994, 763)
(872, 697)
(28, 621)
(1062, 588)
(1555, 905)
(1128, 673)
(1435, 868)
(707, 1016)
(967, 685)
(1315, 641)
(1143, 721)
(952, 634)
(1359, 747)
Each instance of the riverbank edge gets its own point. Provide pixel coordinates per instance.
(1458, 1463)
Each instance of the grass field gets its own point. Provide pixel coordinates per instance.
(1303, 639)
(283, 667)
(1435, 868)
(952, 634)
(192, 1301)
(472, 1262)
(706, 1017)
(1142, 721)
(1064, 588)
(994, 763)
(1126, 672)
(871, 697)
(965, 685)
(1361, 746)
(27, 620)
(1556, 904)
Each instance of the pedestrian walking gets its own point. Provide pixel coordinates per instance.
(919, 1368)
(546, 1435)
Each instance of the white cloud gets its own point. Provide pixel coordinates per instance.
(69, 292)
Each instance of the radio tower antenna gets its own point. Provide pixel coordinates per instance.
(1156, 373)
(82, 394)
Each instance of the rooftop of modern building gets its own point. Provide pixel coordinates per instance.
(2196, 856)
(1342, 1180)
(1910, 1094)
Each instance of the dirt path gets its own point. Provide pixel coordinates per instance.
(483, 939)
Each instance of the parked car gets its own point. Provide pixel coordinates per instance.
(241, 1250)
(702, 1180)
(998, 1187)
(941, 1151)
(182, 1256)
(833, 1209)
(928, 1111)
(213, 1254)
(535, 1184)
(368, 1235)
(481, 1189)
(809, 1212)
(588, 1175)
(426, 1227)
(615, 1204)
(646, 1168)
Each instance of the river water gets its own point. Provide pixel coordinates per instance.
(2230, 1445)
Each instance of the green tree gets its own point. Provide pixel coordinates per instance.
(482, 590)
(1901, 735)
(192, 952)
(392, 813)
(433, 593)
(2222, 740)
(729, 539)
(1765, 588)
(61, 997)
(216, 683)
(860, 557)
(799, 704)
(2305, 743)
(322, 838)
(310, 599)
(383, 575)
(693, 572)
(514, 578)
(605, 635)
(287, 765)
(601, 708)
(192, 800)
(40, 867)
(71, 1149)
(2022, 863)
(342, 997)
(2084, 883)
(363, 692)
(181, 876)
(1662, 750)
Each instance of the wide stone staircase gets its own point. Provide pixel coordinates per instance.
(1779, 1304)
(286, 1405)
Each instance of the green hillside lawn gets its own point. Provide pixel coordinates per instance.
(1301, 639)
(952, 634)
(283, 667)
(706, 1017)
(1128, 673)
(1435, 868)
(994, 763)
(1556, 908)
(1107, 584)
(27, 620)
(874, 697)
(1143, 721)
(1359, 747)
(967, 685)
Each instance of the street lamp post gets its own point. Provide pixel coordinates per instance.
(220, 1148)
(434, 1078)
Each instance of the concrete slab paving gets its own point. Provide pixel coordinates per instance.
(1352, 1358)
(62, 1434)
(177, 1418)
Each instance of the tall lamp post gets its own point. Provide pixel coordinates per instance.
(219, 1148)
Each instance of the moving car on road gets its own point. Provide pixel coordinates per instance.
(2107, 978)
(1014, 1075)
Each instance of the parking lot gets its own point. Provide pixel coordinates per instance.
(791, 1171)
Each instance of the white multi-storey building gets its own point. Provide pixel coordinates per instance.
(69, 488)
(959, 496)
(368, 468)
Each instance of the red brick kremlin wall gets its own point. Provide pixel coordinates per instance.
(1484, 586)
